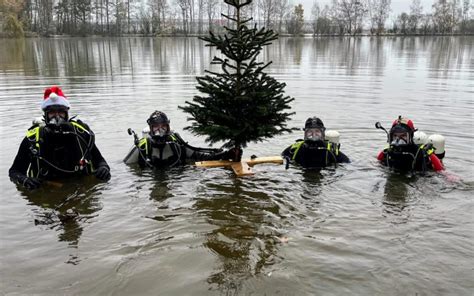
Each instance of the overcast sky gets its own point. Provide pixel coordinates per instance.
(398, 6)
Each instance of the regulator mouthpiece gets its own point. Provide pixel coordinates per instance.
(161, 132)
(398, 142)
(56, 120)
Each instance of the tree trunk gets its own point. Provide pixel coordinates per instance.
(128, 16)
(107, 16)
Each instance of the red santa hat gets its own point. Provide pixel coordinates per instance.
(54, 96)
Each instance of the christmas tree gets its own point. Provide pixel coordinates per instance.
(241, 104)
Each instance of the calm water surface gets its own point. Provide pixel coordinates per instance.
(187, 231)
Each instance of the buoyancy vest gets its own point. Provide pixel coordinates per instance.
(168, 153)
(70, 154)
(331, 151)
(413, 158)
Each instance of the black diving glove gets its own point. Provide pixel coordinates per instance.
(29, 182)
(233, 154)
(103, 173)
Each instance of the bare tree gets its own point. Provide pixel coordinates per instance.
(351, 13)
(426, 24)
(184, 8)
(378, 13)
(81, 12)
(281, 10)
(250, 10)
(200, 7)
(315, 13)
(9, 17)
(466, 5)
(337, 18)
(403, 22)
(128, 15)
(467, 20)
(267, 10)
(158, 13)
(324, 23)
(107, 15)
(444, 15)
(145, 21)
(98, 14)
(45, 17)
(360, 14)
(211, 9)
(191, 14)
(416, 13)
(296, 22)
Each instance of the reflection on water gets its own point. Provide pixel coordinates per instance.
(65, 207)
(244, 240)
(111, 56)
(162, 190)
(71, 58)
(356, 228)
(396, 188)
(396, 193)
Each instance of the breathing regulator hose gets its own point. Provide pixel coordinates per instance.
(89, 145)
(378, 125)
(136, 141)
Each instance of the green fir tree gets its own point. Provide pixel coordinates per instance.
(241, 104)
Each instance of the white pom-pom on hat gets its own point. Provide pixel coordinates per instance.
(54, 97)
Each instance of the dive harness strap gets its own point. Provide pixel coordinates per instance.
(332, 148)
(426, 149)
(34, 135)
(144, 145)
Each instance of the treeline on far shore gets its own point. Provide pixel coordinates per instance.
(302, 35)
(197, 17)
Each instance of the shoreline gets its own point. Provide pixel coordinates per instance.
(309, 35)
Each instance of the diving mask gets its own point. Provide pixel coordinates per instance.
(400, 139)
(313, 134)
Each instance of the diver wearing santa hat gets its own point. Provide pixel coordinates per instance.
(57, 147)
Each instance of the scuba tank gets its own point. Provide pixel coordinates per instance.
(135, 153)
(436, 140)
(38, 121)
(438, 143)
(145, 131)
(420, 138)
(333, 137)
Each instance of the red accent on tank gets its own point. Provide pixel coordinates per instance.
(436, 163)
(381, 156)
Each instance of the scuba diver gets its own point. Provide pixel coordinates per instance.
(57, 147)
(410, 151)
(318, 149)
(161, 147)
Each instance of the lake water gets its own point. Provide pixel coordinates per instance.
(357, 230)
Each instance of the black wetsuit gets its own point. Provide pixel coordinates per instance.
(172, 150)
(410, 158)
(315, 155)
(47, 154)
